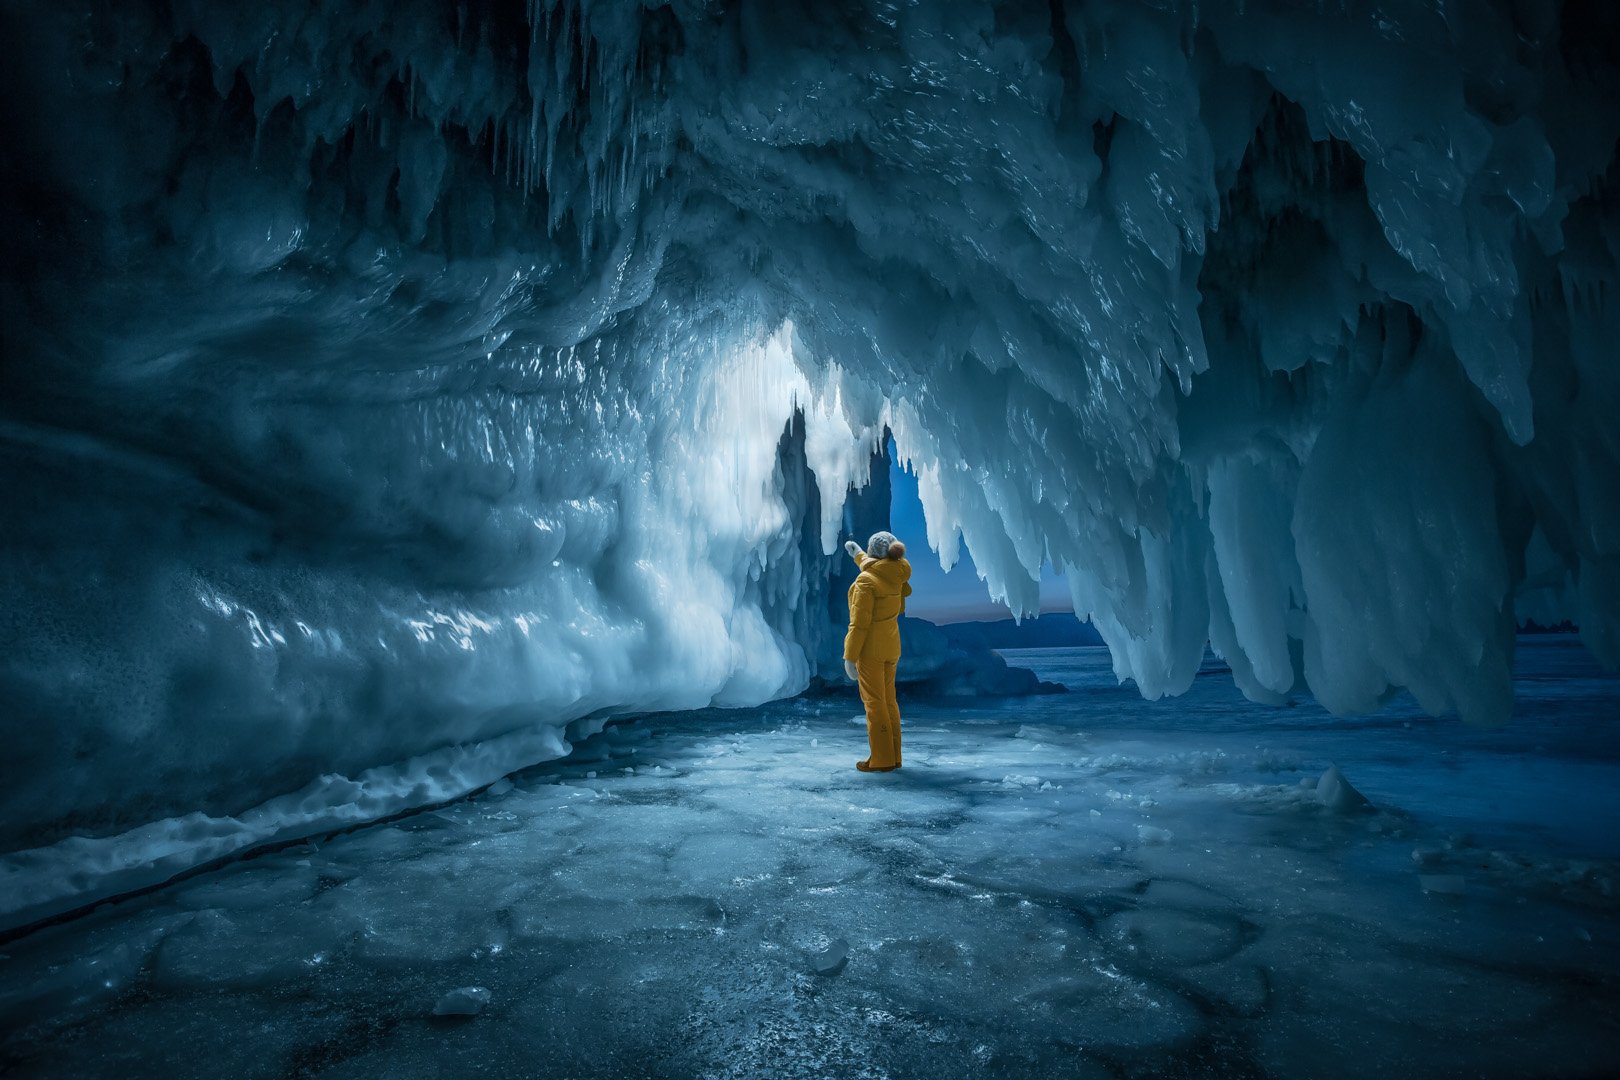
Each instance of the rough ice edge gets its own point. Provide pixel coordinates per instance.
(40, 883)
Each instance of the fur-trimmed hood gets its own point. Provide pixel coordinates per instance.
(889, 575)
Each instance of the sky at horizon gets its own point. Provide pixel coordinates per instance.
(960, 595)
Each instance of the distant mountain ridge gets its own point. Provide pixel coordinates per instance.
(1055, 629)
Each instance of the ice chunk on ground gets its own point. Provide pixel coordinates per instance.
(832, 959)
(1334, 792)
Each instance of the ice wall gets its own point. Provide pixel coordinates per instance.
(384, 381)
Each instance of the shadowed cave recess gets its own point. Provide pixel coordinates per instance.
(395, 392)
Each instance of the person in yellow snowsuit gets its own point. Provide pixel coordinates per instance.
(872, 645)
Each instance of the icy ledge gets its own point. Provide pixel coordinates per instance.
(43, 882)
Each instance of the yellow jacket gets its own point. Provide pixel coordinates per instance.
(876, 598)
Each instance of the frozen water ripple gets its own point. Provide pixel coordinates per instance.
(745, 903)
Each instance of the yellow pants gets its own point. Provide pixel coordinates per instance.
(882, 711)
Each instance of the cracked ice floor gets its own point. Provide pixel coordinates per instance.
(1080, 885)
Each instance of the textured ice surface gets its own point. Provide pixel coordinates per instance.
(462, 1001)
(385, 381)
(722, 894)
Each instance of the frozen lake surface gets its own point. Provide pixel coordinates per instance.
(1079, 885)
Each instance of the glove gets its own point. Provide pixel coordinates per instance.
(853, 548)
(852, 671)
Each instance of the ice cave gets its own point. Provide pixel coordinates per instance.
(430, 431)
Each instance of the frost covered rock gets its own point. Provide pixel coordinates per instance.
(463, 1001)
